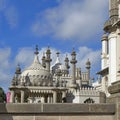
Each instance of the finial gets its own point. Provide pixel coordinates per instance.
(57, 54)
(18, 69)
(36, 50)
(48, 50)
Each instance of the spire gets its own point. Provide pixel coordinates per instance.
(36, 50)
(67, 62)
(58, 59)
(18, 69)
(36, 59)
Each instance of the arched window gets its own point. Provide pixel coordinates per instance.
(89, 100)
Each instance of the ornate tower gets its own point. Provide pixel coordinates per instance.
(67, 64)
(88, 66)
(43, 61)
(73, 62)
(112, 27)
(48, 59)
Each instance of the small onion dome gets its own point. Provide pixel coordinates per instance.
(104, 37)
(48, 50)
(18, 70)
(73, 52)
(66, 59)
(36, 50)
(88, 64)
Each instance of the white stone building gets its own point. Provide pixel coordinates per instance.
(46, 83)
(110, 56)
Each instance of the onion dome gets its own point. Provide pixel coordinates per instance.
(58, 66)
(18, 70)
(36, 74)
(48, 50)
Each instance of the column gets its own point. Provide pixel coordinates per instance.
(54, 97)
(114, 48)
(12, 99)
(51, 99)
(104, 51)
(22, 96)
(63, 94)
(48, 99)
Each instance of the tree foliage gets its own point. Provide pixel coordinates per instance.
(2, 95)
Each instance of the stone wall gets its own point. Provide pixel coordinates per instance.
(57, 111)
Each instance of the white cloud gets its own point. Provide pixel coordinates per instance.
(5, 67)
(11, 16)
(9, 12)
(25, 57)
(86, 53)
(78, 19)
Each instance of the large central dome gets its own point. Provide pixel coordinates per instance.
(36, 74)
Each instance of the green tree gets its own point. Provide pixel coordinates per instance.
(2, 95)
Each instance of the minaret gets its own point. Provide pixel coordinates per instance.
(48, 59)
(43, 61)
(73, 62)
(80, 84)
(113, 15)
(88, 66)
(104, 53)
(67, 64)
(112, 27)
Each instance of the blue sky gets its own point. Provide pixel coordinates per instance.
(61, 24)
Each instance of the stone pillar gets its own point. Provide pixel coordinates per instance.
(22, 96)
(63, 94)
(104, 51)
(42, 99)
(48, 99)
(51, 99)
(114, 55)
(12, 97)
(54, 97)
